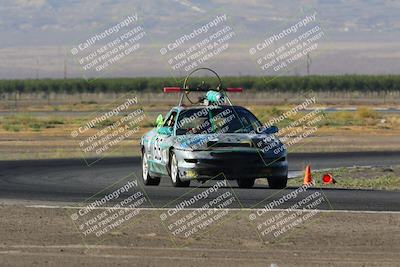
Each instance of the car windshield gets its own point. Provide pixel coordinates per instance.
(216, 120)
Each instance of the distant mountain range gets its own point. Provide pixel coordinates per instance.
(37, 35)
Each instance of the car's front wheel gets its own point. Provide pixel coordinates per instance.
(245, 183)
(278, 182)
(147, 179)
(174, 173)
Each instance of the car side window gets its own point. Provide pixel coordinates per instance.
(170, 121)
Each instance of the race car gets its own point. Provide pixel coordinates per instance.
(212, 139)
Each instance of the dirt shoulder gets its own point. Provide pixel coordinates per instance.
(57, 143)
(367, 177)
(48, 237)
(49, 135)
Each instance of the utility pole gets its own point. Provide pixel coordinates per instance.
(309, 61)
(37, 68)
(65, 65)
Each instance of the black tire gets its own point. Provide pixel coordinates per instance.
(246, 183)
(174, 173)
(147, 179)
(277, 183)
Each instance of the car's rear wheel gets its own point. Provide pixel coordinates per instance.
(147, 179)
(174, 173)
(278, 182)
(245, 183)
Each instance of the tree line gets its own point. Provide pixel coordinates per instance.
(367, 83)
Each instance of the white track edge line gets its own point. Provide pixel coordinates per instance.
(233, 209)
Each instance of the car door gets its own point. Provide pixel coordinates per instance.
(161, 144)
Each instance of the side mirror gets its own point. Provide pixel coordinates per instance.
(159, 120)
(270, 130)
(165, 130)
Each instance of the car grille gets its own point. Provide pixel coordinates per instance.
(231, 158)
(222, 144)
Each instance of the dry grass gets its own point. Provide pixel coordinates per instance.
(24, 135)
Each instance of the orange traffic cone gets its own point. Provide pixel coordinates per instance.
(327, 178)
(307, 176)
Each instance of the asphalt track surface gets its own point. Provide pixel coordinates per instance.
(72, 181)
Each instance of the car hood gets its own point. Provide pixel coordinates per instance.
(226, 141)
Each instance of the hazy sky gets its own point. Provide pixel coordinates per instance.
(37, 36)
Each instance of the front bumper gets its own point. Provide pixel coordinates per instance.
(230, 164)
